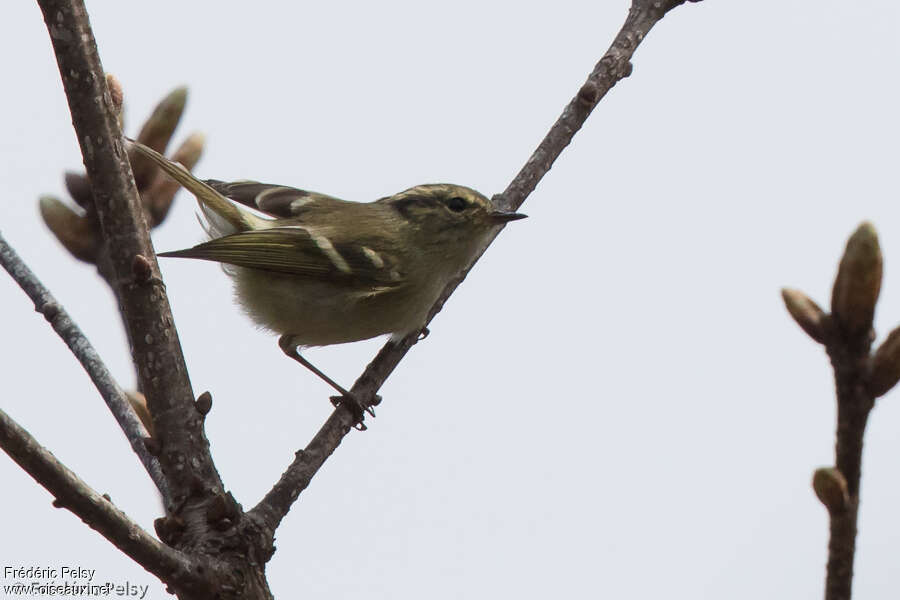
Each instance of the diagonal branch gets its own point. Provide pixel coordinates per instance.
(97, 511)
(200, 517)
(614, 65)
(162, 374)
(81, 347)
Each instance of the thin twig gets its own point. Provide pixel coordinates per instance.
(614, 65)
(96, 511)
(81, 347)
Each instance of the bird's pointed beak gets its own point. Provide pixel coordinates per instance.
(503, 216)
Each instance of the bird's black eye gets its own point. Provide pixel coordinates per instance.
(457, 204)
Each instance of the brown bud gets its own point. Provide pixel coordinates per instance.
(160, 125)
(75, 232)
(858, 282)
(885, 365)
(204, 403)
(141, 268)
(139, 405)
(116, 95)
(831, 489)
(156, 133)
(805, 312)
(80, 189)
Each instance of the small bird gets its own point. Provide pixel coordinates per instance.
(319, 270)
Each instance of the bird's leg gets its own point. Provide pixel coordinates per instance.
(356, 407)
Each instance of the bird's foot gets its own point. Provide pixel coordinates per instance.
(356, 407)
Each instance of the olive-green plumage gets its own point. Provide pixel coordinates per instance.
(321, 270)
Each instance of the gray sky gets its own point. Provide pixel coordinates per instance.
(614, 404)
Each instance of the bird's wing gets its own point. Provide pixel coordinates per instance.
(295, 250)
(276, 200)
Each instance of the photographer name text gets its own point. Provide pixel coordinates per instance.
(60, 572)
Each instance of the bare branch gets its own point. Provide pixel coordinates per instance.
(614, 65)
(847, 335)
(201, 516)
(854, 404)
(96, 511)
(269, 512)
(155, 348)
(848, 343)
(81, 347)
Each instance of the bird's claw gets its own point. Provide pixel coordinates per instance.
(357, 408)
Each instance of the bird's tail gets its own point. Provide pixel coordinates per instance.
(224, 216)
